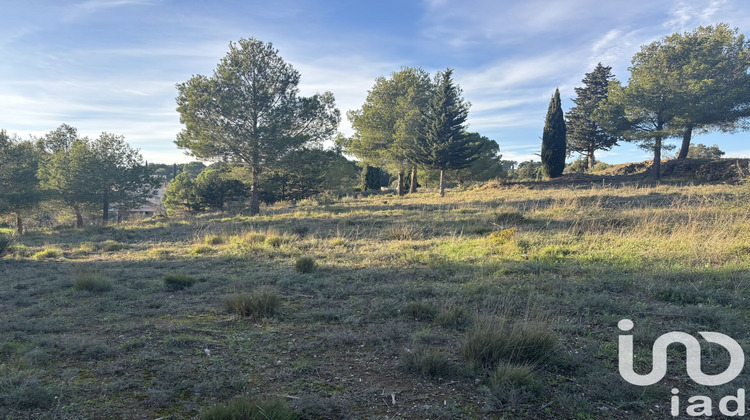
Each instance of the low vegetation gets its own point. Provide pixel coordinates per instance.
(500, 301)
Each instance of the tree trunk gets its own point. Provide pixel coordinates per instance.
(79, 220)
(656, 168)
(19, 223)
(686, 137)
(105, 212)
(254, 194)
(590, 161)
(413, 183)
(400, 186)
(442, 183)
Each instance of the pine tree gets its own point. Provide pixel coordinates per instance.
(553, 139)
(443, 142)
(584, 135)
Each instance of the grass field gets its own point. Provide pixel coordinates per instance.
(499, 301)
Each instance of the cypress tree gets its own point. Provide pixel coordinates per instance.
(584, 135)
(370, 178)
(553, 139)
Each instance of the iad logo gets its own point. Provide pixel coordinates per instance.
(693, 350)
(700, 405)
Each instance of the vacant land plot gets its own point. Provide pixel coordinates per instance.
(493, 302)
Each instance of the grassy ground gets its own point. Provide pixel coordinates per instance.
(501, 301)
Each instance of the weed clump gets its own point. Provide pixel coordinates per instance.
(248, 408)
(420, 311)
(256, 305)
(502, 236)
(403, 232)
(274, 241)
(506, 374)
(305, 265)
(92, 283)
(423, 362)
(112, 246)
(203, 250)
(48, 253)
(178, 281)
(453, 317)
(213, 240)
(494, 339)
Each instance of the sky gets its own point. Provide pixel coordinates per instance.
(112, 65)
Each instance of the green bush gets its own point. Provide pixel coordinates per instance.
(178, 281)
(248, 408)
(256, 305)
(305, 265)
(92, 283)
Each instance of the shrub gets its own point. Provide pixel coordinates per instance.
(248, 408)
(48, 253)
(305, 265)
(21, 251)
(502, 236)
(493, 339)
(256, 305)
(420, 311)
(160, 253)
(253, 237)
(600, 166)
(86, 248)
(453, 317)
(6, 241)
(512, 374)
(112, 246)
(274, 241)
(178, 281)
(428, 363)
(213, 240)
(92, 283)
(203, 249)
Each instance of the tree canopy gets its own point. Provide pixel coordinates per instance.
(19, 186)
(249, 111)
(388, 122)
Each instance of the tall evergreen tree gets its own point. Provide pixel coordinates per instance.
(19, 186)
(443, 142)
(584, 135)
(553, 139)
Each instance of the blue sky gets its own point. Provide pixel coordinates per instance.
(112, 65)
